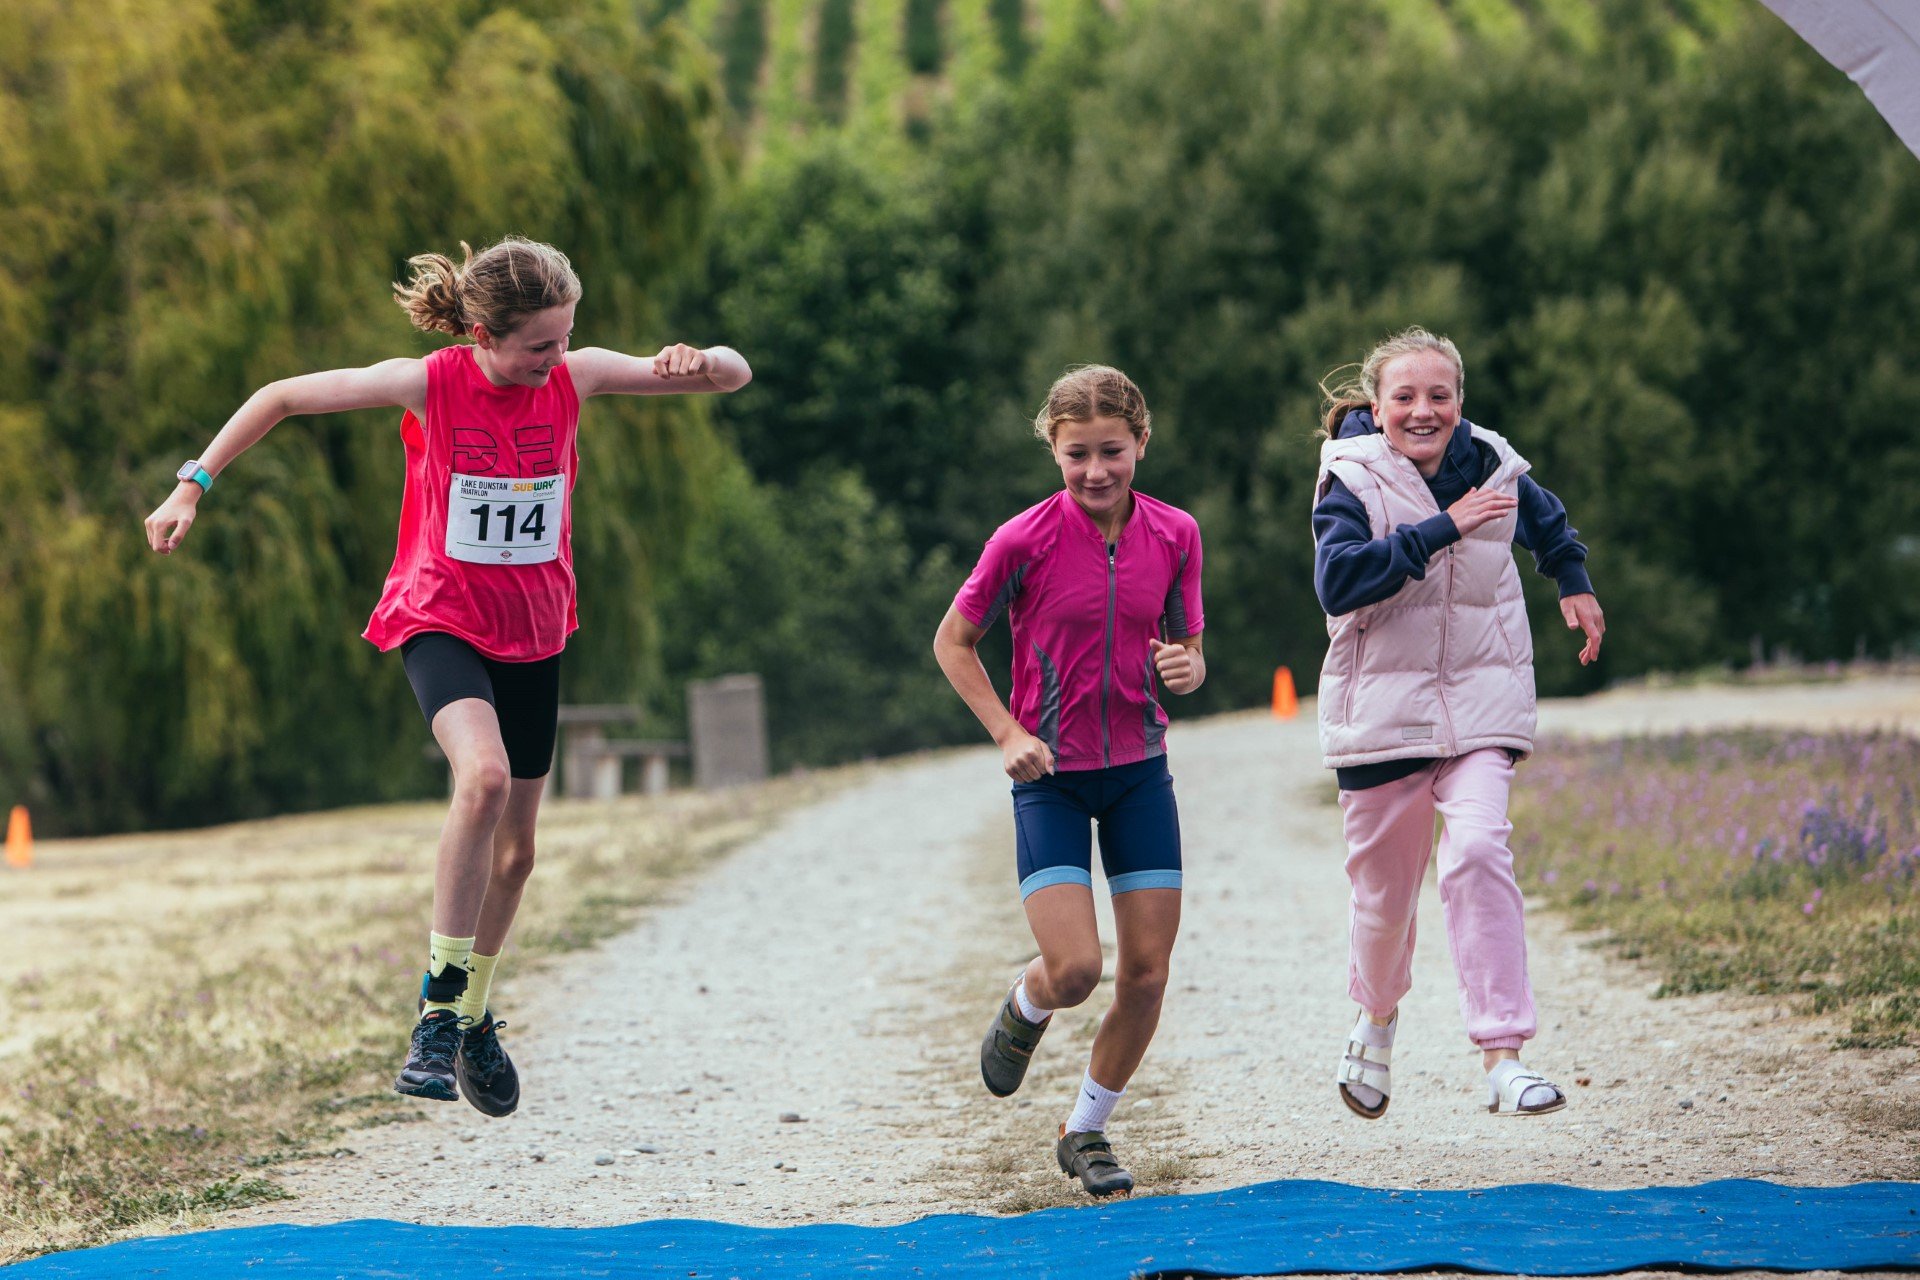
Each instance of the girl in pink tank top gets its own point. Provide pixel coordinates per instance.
(480, 599)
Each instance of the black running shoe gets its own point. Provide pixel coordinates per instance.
(487, 1077)
(430, 1072)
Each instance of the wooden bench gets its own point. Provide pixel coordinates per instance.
(592, 764)
(594, 767)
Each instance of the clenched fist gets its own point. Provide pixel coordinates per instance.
(1180, 666)
(1026, 758)
(680, 361)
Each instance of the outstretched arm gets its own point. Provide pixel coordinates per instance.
(676, 370)
(390, 384)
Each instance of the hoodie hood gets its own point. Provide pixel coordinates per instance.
(1468, 462)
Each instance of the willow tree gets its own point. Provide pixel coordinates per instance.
(207, 195)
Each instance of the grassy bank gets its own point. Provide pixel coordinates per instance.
(185, 1010)
(1775, 863)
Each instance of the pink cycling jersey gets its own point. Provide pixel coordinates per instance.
(486, 521)
(1082, 611)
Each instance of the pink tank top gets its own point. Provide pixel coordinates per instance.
(485, 549)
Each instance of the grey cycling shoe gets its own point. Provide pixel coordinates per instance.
(1008, 1048)
(1089, 1157)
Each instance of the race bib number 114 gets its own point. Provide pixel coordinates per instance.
(496, 520)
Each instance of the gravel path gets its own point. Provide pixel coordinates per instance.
(749, 1053)
(796, 1038)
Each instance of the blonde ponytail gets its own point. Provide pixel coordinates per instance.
(496, 289)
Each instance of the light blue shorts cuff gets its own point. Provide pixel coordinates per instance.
(1046, 877)
(1143, 880)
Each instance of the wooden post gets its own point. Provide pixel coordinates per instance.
(729, 722)
(606, 776)
(653, 774)
(583, 747)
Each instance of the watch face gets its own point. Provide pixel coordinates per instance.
(186, 470)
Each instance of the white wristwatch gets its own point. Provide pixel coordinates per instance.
(192, 470)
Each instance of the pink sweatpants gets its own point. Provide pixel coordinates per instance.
(1389, 833)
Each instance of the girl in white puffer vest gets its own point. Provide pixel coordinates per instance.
(1426, 696)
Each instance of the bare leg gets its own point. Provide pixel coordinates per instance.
(1068, 967)
(469, 732)
(1147, 921)
(512, 864)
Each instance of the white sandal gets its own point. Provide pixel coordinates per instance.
(1509, 1082)
(1368, 1057)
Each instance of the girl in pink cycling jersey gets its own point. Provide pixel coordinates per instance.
(480, 600)
(1101, 586)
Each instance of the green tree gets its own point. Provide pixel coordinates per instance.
(214, 195)
(838, 274)
(814, 588)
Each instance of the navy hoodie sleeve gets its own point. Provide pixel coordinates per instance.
(1543, 530)
(1353, 569)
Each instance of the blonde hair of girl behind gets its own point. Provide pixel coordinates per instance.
(1088, 392)
(499, 287)
(1361, 386)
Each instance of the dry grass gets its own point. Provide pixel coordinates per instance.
(1877, 1113)
(184, 1009)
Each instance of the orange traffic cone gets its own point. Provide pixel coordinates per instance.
(1286, 704)
(19, 838)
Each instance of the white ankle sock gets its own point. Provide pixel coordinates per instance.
(1031, 1012)
(1095, 1105)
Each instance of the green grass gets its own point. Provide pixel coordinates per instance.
(1770, 863)
(881, 82)
(884, 65)
(786, 100)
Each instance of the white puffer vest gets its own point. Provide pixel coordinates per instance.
(1445, 665)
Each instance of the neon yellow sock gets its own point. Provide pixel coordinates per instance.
(473, 1004)
(444, 954)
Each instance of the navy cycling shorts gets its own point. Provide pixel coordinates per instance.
(1139, 828)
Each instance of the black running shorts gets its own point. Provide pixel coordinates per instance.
(524, 695)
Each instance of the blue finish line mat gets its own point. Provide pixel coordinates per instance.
(1274, 1227)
